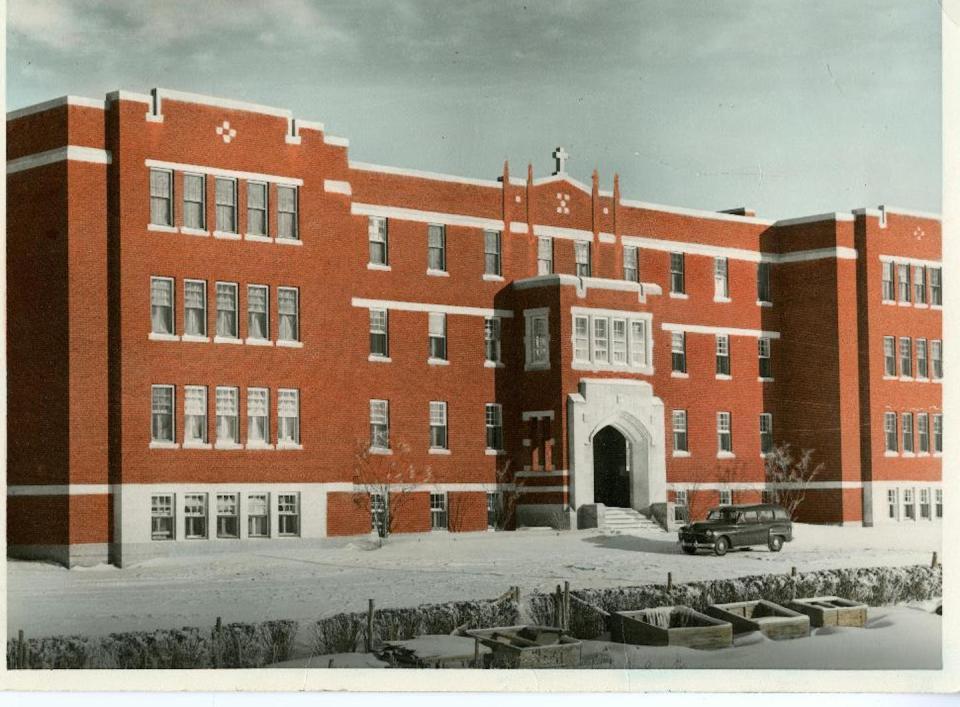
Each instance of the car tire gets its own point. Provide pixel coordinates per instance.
(690, 550)
(775, 543)
(720, 546)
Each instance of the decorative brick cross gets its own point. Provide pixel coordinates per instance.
(226, 132)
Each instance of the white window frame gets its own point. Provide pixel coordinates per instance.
(893, 504)
(288, 506)
(202, 441)
(723, 356)
(926, 508)
(263, 402)
(619, 353)
(378, 512)
(163, 508)
(196, 506)
(923, 433)
(493, 422)
(235, 335)
(766, 433)
(597, 347)
(438, 511)
(631, 263)
(726, 497)
(492, 253)
(601, 340)
(678, 285)
(764, 358)
(544, 255)
(379, 333)
(286, 316)
(583, 258)
(227, 502)
(678, 353)
(258, 509)
(202, 224)
(909, 505)
(890, 356)
(681, 441)
(171, 285)
(936, 287)
(724, 434)
(437, 338)
(264, 211)
(936, 359)
(157, 199)
(265, 289)
(681, 497)
(937, 433)
(287, 441)
(294, 213)
(439, 440)
(187, 334)
(891, 443)
(223, 207)
(919, 277)
(493, 340)
(920, 349)
(721, 279)
(888, 289)
(436, 252)
(938, 503)
(377, 239)
(906, 433)
(155, 440)
(223, 394)
(903, 283)
(764, 291)
(905, 352)
(536, 340)
(379, 424)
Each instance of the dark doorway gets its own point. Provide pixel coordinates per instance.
(611, 478)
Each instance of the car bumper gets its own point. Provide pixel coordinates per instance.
(696, 542)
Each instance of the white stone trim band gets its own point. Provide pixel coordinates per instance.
(199, 487)
(70, 152)
(910, 261)
(704, 329)
(219, 172)
(761, 486)
(420, 174)
(426, 307)
(334, 186)
(56, 103)
(403, 214)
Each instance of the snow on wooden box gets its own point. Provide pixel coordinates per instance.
(774, 621)
(670, 626)
(528, 646)
(831, 611)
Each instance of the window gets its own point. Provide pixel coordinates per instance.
(226, 193)
(288, 301)
(379, 339)
(581, 339)
(544, 256)
(678, 349)
(893, 503)
(724, 436)
(919, 284)
(721, 285)
(494, 419)
(258, 320)
(723, 355)
(194, 415)
(936, 291)
(763, 283)
(379, 424)
(437, 333)
(938, 433)
(638, 342)
(921, 358)
(679, 430)
(162, 518)
(676, 274)
(491, 252)
(537, 339)
(631, 270)
(194, 213)
(161, 197)
(287, 213)
(195, 308)
(619, 328)
(936, 358)
(906, 357)
(377, 236)
(491, 339)
(162, 413)
(889, 356)
(907, 432)
(378, 513)
(228, 416)
(903, 281)
(288, 514)
(923, 432)
(909, 509)
(258, 417)
(681, 497)
(161, 305)
(601, 340)
(438, 511)
(766, 433)
(581, 251)
(726, 497)
(493, 509)
(227, 326)
(258, 515)
(890, 431)
(938, 502)
(763, 352)
(887, 275)
(436, 248)
(288, 417)
(195, 516)
(228, 515)
(438, 425)
(257, 208)
(925, 504)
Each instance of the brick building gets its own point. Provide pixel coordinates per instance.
(219, 323)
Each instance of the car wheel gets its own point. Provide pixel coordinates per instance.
(775, 543)
(690, 550)
(721, 546)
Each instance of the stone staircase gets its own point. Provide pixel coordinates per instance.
(626, 520)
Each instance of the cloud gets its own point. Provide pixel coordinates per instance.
(54, 23)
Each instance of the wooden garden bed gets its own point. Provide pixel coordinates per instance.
(670, 626)
(527, 646)
(774, 621)
(831, 611)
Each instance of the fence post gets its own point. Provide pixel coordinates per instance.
(368, 643)
(219, 625)
(669, 581)
(21, 650)
(793, 582)
(476, 652)
(933, 562)
(566, 605)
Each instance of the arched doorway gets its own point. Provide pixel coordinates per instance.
(611, 468)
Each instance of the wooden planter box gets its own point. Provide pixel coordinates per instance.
(527, 646)
(831, 611)
(670, 626)
(772, 620)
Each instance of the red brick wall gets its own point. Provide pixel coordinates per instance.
(347, 514)
(467, 511)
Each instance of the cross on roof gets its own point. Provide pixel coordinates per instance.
(561, 156)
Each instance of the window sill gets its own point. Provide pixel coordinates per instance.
(257, 238)
(258, 445)
(438, 450)
(227, 446)
(223, 235)
(494, 452)
(379, 266)
(888, 301)
(936, 380)
(907, 379)
(438, 362)
(226, 340)
(890, 378)
(188, 231)
(764, 379)
(493, 364)
(937, 307)
(678, 374)
(681, 454)
(764, 303)
(164, 445)
(283, 343)
(437, 273)
(373, 358)
(921, 305)
(923, 454)
(195, 338)
(537, 367)
(722, 300)
(487, 277)
(197, 445)
(289, 445)
(726, 455)
(922, 379)
(904, 304)
(287, 241)
(153, 336)
(160, 228)
(723, 377)
(888, 454)
(937, 454)
(910, 455)
(258, 342)
(679, 295)
(380, 451)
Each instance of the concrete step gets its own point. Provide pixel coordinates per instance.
(627, 519)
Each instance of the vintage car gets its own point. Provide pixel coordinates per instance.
(738, 526)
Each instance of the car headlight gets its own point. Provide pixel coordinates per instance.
(709, 533)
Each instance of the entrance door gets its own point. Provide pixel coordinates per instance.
(611, 476)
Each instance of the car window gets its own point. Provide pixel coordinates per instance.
(780, 513)
(748, 517)
(766, 515)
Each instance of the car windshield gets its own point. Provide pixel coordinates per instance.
(727, 515)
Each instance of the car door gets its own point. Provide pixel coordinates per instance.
(751, 532)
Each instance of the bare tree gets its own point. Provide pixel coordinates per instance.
(507, 498)
(698, 498)
(789, 478)
(385, 483)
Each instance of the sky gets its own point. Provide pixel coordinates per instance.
(789, 107)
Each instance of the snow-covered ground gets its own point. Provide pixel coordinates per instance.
(305, 583)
